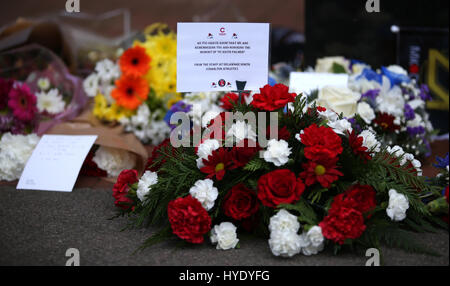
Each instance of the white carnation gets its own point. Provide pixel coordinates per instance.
(308, 248)
(365, 111)
(240, 130)
(145, 182)
(51, 102)
(205, 149)
(114, 160)
(398, 205)
(370, 141)
(391, 102)
(329, 115)
(285, 244)
(205, 192)
(224, 235)
(14, 153)
(341, 126)
(284, 221)
(278, 152)
(315, 236)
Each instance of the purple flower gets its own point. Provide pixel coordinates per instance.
(409, 112)
(371, 94)
(180, 106)
(414, 131)
(442, 163)
(425, 92)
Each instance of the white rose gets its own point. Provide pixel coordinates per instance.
(205, 193)
(325, 65)
(284, 221)
(145, 182)
(370, 141)
(205, 149)
(341, 126)
(278, 152)
(224, 235)
(339, 99)
(398, 205)
(365, 111)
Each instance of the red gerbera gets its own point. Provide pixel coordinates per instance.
(321, 143)
(22, 102)
(356, 143)
(323, 172)
(135, 62)
(386, 122)
(217, 164)
(130, 91)
(272, 98)
(230, 99)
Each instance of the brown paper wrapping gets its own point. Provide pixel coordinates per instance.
(108, 135)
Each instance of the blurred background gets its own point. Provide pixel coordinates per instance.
(412, 33)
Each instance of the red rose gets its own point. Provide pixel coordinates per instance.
(279, 187)
(240, 202)
(189, 220)
(321, 143)
(121, 187)
(272, 98)
(242, 155)
(342, 223)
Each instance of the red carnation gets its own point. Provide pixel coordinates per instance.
(240, 202)
(242, 155)
(342, 223)
(155, 154)
(189, 220)
(356, 143)
(272, 98)
(359, 197)
(121, 187)
(324, 172)
(279, 187)
(386, 122)
(231, 99)
(217, 164)
(321, 143)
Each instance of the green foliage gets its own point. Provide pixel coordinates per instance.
(306, 212)
(256, 164)
(337, 68)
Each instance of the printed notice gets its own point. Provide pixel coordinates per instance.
(305, 82)
(55, 163)
(213, 56)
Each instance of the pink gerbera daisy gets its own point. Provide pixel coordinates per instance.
(22, 102)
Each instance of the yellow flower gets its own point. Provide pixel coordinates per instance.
(112, 112)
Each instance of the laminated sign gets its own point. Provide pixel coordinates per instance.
(213, 56)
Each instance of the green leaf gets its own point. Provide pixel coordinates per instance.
(337, 68)
(307, 213)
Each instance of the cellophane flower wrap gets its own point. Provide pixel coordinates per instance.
(304, 188)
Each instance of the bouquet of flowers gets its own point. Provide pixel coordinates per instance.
(386, 101)
(138, 89)
(291, 178)
(439, 205)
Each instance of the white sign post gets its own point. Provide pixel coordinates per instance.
(215, 56)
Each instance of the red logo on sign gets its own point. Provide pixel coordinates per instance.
(222, 31)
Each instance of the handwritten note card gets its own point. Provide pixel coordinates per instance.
(56, 162)
(213, 56)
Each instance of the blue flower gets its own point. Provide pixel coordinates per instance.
(180, 106)
(370, 75)
(371, 94)
(442, 163)
(395, 78)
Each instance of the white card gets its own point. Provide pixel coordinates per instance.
(55, 162)
(305, 82)
(213, 56)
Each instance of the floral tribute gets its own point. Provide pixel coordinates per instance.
(309, 187)
(439, 205)
(139, 88)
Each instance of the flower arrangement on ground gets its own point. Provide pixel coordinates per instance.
(387, 101)
(439, 205)
(138, 89)
(304, 188)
